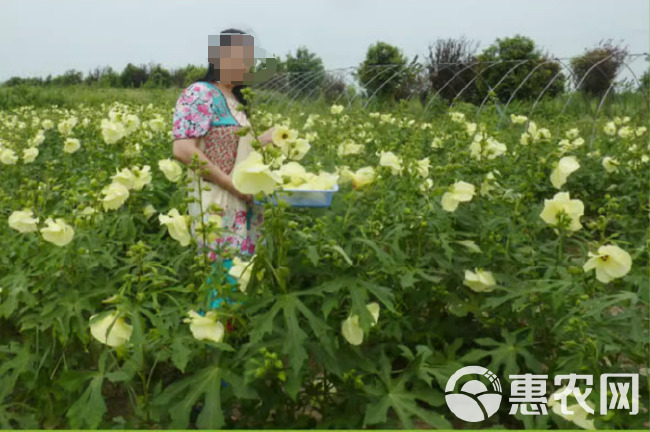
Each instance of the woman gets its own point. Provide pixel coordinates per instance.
(206, 122)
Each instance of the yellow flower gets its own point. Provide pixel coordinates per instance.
(29, 154)
(205, 327)
(348, 148)
(610, 164)
(141, 177)
(458, 192)
(71, 145)
(241, 270)
(345, 175)
(65, 126)
(116, 195)
(390, 160)
(336, 109)
(352, 331)
(426, 185)
(131, 123)
(156, 124)
(176, 225)
(293, 171)
(298, 149)
(488, 184)
(38, 139)
(543, 134)
(577, 142)
(171, 169)
(470, 128)
(213, 234)
(487, 147)
(8, 156)
(23, 221)
(436, 143)
(282, 136)
(610, 129)
(610, 262)
(625, 132)
(125, 177)
(479, 281)
(87, 211)
(423, 166)
(252, 176)
(564, 145)
(572, 133)
(471, 245)
(562, 202)
(518, 119)
(363, 176)
(148, 211)
(112, 131)
(565, 167)
(322, 181)
(119, 333)
(373, 308)
(575, 413)
(59, 232)
(457, 117)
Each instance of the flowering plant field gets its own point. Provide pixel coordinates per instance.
(451, 241)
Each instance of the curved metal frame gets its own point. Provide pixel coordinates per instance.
(283, 85)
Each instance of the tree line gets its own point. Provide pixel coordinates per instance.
(511, 68)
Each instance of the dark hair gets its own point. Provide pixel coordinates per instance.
(211, 74)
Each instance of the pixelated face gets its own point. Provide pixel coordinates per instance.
(233, 55)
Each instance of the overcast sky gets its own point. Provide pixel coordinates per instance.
(40, 37)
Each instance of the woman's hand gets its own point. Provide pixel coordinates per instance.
(267, 136)
(247, 198)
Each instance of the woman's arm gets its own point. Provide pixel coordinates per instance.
(184, 150)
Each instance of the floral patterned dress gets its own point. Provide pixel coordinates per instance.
(202, 111)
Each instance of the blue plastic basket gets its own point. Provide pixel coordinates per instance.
(303, 197)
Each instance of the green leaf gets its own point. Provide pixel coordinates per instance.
(382, 293)
(180, 354)
(329, 303)
(426, 276)
(376, 412)
(393, 393)
(243, 131)
(312, 254)
(506, 353)
(337, 248)
(408, 279)
(88, 410)
(262, 324)
(474, 355)
(387, 262)
(294, 340)
(179, 398)
(211, 415)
